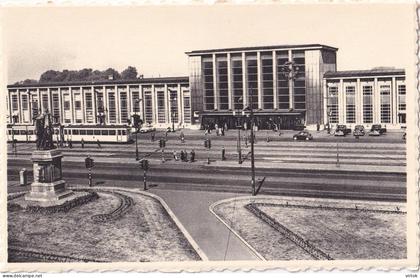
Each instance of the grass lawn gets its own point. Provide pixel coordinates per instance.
(144, 233)
(342, 234)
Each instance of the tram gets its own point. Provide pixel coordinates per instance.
(74, 133)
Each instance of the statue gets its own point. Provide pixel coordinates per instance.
(44, 132)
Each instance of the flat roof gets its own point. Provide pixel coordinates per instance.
(154, 80)
(364, 73)
(255, 48)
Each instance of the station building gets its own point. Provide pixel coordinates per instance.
(159, 101)
(286, 85)
(283, 82)
(366, 97)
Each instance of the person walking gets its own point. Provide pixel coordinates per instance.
(192, 155)
(70, 144)
(152, 136)
(182, 137)
(98, 143)
(182, 155)
(185, 156)
(175, 155)
(82, 142)
(223, 154)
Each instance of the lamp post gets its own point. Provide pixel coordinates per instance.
(252, 142)
(136, 125)
(238, 126)
(173, 101)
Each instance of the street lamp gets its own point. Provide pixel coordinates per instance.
(238, 126)
(173, 101)
(136, 125)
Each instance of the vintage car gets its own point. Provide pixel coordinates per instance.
(342, 130)
(302, 135)
(147, 128)
(379, 128)
(359, 130)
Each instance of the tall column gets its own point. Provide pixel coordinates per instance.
(325, 102)
(291, 86)
(39, 103)
(94, 110)
(376, 102)
(244, 81)
(358, 102)
(141, 104)
(129, 105)
(168, 104)
(275, 94)
(117, 104)
(394, 105)
(105, 101)
(340, 102)
(215, 84)
(71, 106)
(229, 74)
(180, 107)
(82, 94)
(19, 103)
(154, 106)
(259, 81)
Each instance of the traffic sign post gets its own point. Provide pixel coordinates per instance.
(144, 164)
(162, 144)
(89, 163)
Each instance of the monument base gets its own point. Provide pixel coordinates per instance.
(48, 189)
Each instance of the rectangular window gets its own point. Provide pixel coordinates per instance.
(350, 104)
(135, 99)
(208, 84)
(237, 82)
(299, 96)
(173, 97)
(401, 98)
(89, 107)
(112, 107)
(89, 132)
(148, 107)
(14, 102)
(282, 80)
(112, 132)
(252, 78)
(55, 105)
(333, 104)
(124, 107)
(187, 110)
(385, 93)
(45, 104)
(222, 83)
(25, 103)
(104, 132)
(161, 107)
(82, 132)
(367, 104)
(97, 132)
(267, 80)
(75, 132)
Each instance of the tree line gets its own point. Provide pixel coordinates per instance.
(51, 76)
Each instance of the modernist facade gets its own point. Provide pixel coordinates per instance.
(159, 101)
(366, 97)
(286, 85)
(283, 82)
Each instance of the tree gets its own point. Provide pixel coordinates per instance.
(129, 73)
(110, 72)
(49, 76)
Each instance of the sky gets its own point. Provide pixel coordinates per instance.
(154, 39)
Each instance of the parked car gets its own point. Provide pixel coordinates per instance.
(375, 132)
(147, 128)
(302, 135)
(342, 130)
(379, 128)
(359, 130)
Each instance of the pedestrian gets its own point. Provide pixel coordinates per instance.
(99, 143)
(82, 142)
(182, 155)
(317, 126)
(223, 154)
(182, 137)
(223, 131)
(192, 154)
(175, 155)
(246, 140)
(152, 136)
(69, 143)
(226, 127)
(185, 156)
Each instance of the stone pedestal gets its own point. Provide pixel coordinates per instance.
(48, 187)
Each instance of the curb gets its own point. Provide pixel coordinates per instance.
(178, 223)
(211, 208)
